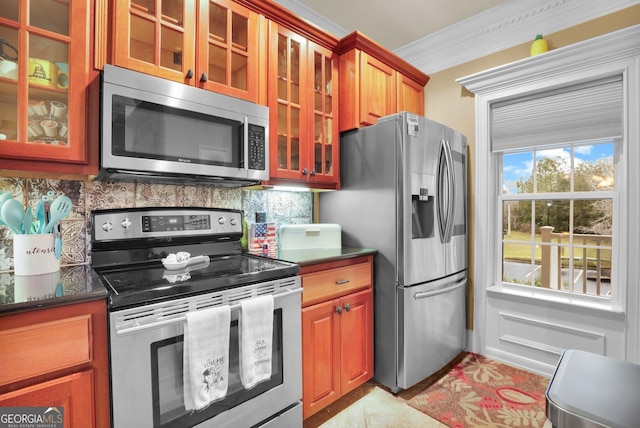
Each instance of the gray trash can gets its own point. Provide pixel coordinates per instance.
(590, 390)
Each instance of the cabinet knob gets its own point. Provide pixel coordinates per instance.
(305, 172)
(203, 78)
(189, 74)
(347, 307)
(339, 310)
(313, 172)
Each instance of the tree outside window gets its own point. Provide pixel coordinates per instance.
(558, 211)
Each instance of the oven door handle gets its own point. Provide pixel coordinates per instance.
(182, 318)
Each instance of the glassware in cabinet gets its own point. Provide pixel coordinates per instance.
(43, 100)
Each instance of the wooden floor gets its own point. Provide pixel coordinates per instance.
(342, 403)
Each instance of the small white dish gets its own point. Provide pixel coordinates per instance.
(174, 265)
(182, 260)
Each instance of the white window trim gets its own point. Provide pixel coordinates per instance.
(614, 53)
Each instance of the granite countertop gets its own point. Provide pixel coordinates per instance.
(71, 284)
(74, 284)
(305, 257)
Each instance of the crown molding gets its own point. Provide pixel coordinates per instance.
(314, 17)
(604, 53)
(509, 24)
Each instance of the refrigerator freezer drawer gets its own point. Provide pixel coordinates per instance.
(432, 327)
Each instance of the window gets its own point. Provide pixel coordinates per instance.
(556, 149)
(557, 217)
(564, 126)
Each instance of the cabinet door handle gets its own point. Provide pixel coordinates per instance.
(347, 307)
(203, 78)
(189, 74)
(343, 281)
(304, 171)
(339, 310)
(313, 172)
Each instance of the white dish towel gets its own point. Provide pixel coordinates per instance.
(206, 356)
(256, 340)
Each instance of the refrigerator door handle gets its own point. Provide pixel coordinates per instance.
(452, 192)
(441, 196)
(446, 192)
(425, 294)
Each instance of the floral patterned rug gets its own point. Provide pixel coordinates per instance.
(479, 392)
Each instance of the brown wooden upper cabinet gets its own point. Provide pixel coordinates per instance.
(303, 78)
(45, 75)
(213, 45)
(374, 83)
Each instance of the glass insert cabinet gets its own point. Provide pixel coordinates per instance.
(210, 44)
(303, 76)
(44, 75)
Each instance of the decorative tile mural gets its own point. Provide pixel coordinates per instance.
(280, 207)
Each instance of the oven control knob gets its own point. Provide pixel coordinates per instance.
(107, 226)
(233, 222)
(222, 220)
(126, 223)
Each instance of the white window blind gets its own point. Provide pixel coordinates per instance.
(583, 112)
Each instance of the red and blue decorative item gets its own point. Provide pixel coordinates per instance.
(262, 240)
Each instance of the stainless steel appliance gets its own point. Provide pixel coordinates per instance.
(588, 390)
(148, 306)
(155, 129)
(403, 192)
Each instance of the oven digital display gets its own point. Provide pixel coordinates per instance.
(166, 223)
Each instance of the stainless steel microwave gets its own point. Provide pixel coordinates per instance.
(153, 129)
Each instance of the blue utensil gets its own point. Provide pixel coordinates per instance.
(40, 216)
(27, 220)
(3, 197)
(12, 213)
(57, 242)
(60, 208)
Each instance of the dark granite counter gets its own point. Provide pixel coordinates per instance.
(72, 284)
(315, 256)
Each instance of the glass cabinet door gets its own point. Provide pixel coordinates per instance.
(228, 39)
(156, 37)
(43, 78)
(288, 152)
(325, 132)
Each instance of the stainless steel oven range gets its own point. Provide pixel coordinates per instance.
(148, 305)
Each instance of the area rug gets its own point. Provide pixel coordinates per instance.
(480, 392)
(381, 409)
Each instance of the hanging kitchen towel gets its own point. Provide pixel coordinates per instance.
(206, 356)
(256, 339)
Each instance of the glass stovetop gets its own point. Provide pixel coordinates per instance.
(152, 282)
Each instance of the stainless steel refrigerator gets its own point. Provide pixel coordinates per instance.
(403, 192)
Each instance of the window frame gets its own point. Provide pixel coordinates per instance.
(571, 195)
(615, 52)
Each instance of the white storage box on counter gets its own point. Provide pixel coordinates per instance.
(300, 241)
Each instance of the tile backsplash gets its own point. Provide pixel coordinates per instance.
(280, 207)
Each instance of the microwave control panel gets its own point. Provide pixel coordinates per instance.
(257, 149)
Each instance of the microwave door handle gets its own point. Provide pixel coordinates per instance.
(245, 154)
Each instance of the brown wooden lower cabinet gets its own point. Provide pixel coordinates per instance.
(337, 331)
(73, 392)
(57, 357)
